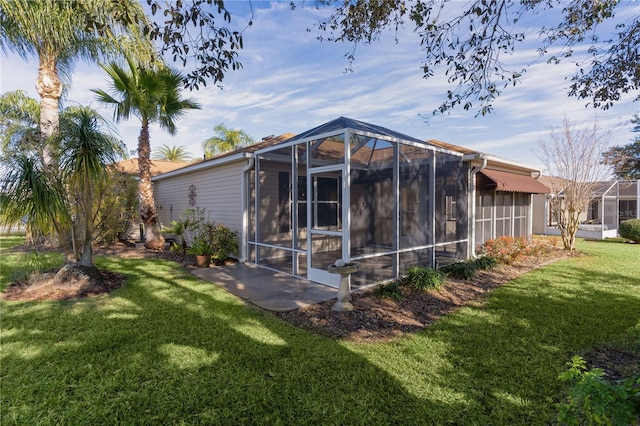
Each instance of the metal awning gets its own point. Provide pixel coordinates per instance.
(509, 182)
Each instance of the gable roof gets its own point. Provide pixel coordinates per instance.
(241, 153)
(264, 143)
(342, 123)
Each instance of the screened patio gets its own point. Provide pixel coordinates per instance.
(612, 203)
(355, 191)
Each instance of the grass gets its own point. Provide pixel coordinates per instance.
(170, 349)
(18, 266)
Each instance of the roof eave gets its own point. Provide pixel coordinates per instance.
(204, 165)
(494, 161)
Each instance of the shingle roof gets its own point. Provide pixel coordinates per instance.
(130, 166)
(265, 143)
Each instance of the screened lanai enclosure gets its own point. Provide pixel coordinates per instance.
(612, 202)
(354, 191)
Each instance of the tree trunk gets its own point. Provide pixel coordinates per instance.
(148, 213)
(88, 278)
(49, 88)
(86, 256)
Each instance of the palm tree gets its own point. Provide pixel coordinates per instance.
(83, 163)
(50, 200)
(226, 139)
(172, 153)
(153, 95)
(59, 32)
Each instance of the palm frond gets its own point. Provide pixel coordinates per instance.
(28, 191)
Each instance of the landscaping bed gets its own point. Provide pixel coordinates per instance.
(380, 318)
(373, 319)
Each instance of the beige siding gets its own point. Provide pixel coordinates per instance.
(538, 216)
(218, 190)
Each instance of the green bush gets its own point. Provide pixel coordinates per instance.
(630, 229)
(424, 278)
(225, 242)
(460, 270)
(390, 290)
(189, 227)
(467, 270)
(593, 400)
(485, 263)
(116, 207)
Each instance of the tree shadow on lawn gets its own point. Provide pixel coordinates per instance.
(505, 356)
(167, 348)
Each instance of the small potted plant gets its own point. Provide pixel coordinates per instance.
(202, 246)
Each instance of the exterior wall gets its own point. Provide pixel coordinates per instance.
(540, 214)
(217, 189)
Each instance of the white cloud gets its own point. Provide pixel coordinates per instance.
(291, 82)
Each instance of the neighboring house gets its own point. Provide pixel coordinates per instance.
(130, 166)
(612, 202)
(355, 191)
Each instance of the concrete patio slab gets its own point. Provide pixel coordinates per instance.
(270, 290)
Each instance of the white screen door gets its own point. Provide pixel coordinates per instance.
(324, 215)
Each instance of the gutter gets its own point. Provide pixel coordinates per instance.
(245, 208)
(472, 201)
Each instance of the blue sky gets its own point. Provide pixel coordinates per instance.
(291, 82)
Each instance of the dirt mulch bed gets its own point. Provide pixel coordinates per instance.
(45, 288)
(378, 319)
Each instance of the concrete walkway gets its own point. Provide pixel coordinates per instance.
(271, 290)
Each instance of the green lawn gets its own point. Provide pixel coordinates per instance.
(169, 349)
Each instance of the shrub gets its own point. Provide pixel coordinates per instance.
(508, 250)
(593, 400)
(202, 245)
(116, 207)
(390, 290)
(424, 278)
(630, 229)
(225, 242)
(484, 263)
(504, 249)
(189, 226)
(460, 270)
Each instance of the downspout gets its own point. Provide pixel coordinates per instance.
(474, 172)
(245, 211)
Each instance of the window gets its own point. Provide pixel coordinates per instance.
(451, 208)
(326, 203)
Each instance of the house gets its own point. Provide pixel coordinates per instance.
(355, 191)
(129, 167)
(611, 203)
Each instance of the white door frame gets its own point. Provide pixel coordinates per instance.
(314, 274)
